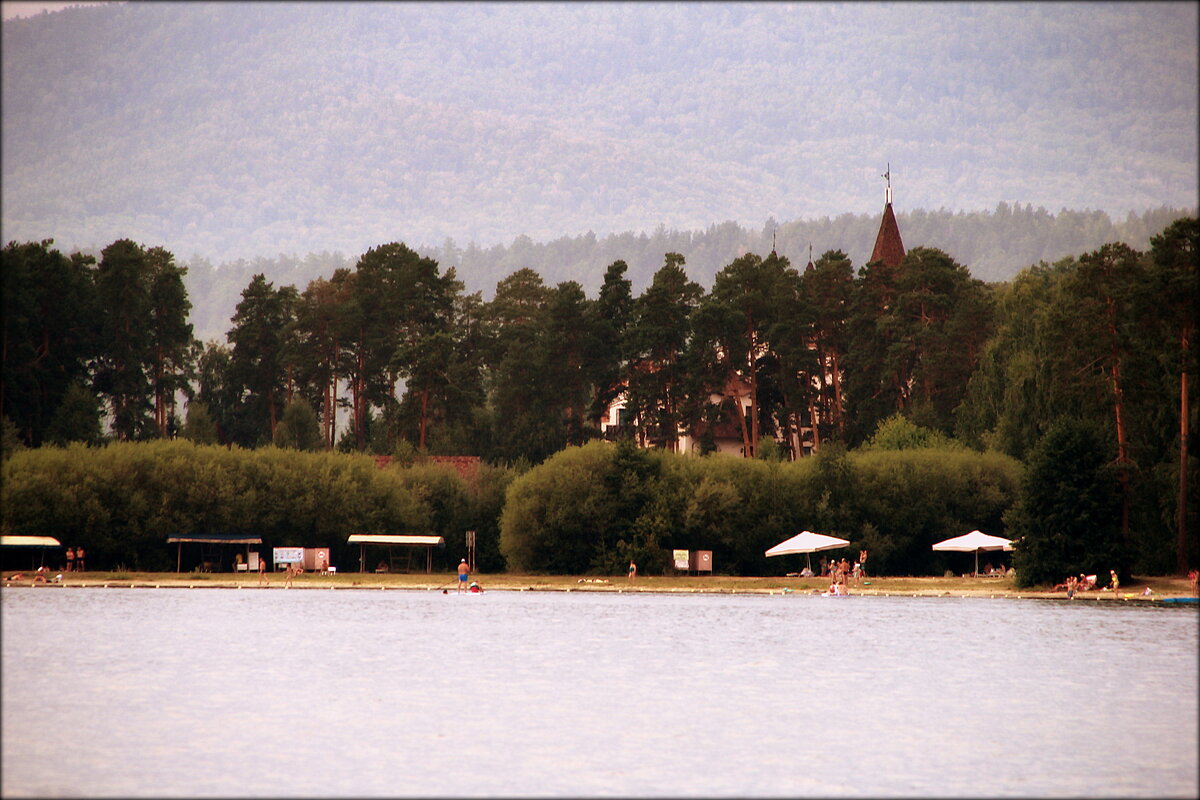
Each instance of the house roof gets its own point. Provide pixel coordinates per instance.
(889, 247)
(466, 466)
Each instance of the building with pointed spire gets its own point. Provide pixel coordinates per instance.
(889, 247)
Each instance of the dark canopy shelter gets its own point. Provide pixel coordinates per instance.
(38, 542)
(388, 540)
(210, 545)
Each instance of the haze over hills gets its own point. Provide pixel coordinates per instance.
(247, 130)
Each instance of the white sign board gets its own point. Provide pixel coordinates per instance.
(288, 555)
(681, 558)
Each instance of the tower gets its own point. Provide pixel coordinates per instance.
(889, 247)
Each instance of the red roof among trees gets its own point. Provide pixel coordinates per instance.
(889, 247)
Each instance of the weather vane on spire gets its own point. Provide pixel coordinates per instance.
(888, 191)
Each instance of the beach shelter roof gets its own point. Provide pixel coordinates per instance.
(215, 538)
(180, 539)
(364, 539)
(9, 540)
(374, 538)
(974, 542)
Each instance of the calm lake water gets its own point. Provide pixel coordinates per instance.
(213, 692)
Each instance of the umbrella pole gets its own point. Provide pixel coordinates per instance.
(808, 560)
(976, 564)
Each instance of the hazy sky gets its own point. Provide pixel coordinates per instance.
(15, 9)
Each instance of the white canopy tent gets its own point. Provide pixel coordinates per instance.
(807, 542)
(974, 542)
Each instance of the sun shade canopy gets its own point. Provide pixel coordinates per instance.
(975, 540)
(29, 541)
(807, 542)
(373, 538)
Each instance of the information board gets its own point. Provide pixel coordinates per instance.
(288, 555)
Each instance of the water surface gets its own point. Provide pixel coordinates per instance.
(214, 692)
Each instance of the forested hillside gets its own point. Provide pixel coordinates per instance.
(245, 130)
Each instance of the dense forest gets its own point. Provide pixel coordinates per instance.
(788, 360)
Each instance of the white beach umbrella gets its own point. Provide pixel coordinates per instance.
(807, 542)
(974, 542)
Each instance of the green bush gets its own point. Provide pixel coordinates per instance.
(122, 501)
(590, 509)
(1067, 517)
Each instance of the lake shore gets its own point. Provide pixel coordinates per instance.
(1161, 588)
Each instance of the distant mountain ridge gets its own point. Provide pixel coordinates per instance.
(228, 130)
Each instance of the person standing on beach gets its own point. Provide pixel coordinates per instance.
(632, 571)
(463, 571)
(79, 559)
(70, 559)
(1116, 582)
(263, 580)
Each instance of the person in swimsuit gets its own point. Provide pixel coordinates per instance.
(79, 567)
(632, 570)
(462, 575)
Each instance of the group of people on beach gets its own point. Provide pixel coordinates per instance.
(75, 560)
(843, 572)
(1086, 583)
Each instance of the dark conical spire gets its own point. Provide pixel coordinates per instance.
(889, 247)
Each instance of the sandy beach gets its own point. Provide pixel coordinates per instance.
(1161, 588)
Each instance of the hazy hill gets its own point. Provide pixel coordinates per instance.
(243, 130)
(995, 245)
